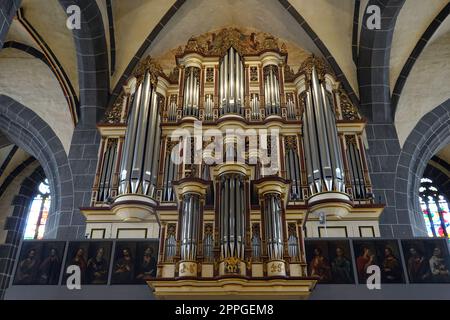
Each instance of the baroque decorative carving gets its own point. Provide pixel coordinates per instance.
(289, 74)
(218, 43)
(291, 142)
(349, 111)
(350, 139)
(292, 229)
(150, 65)
(307, 66)
(209, 229)
(114, 114)
(174, 75)
(171, 229)
(232, 265)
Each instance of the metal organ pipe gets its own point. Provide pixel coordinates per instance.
(190, 226)
(127, 156)
(273, 226)
(232, 216)
(272, 90)
(231, 83)
(356, 171)
(322, 148)
(142, 145)
(192, 92)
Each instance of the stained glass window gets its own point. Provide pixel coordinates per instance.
(38, 214)
(435, 209)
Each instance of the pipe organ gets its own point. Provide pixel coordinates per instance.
(231, 202)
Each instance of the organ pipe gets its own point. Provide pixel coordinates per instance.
(170, 171)
(272, 90)
(231, 83)
(107, 171)
(322, 148)
(293, 249)
(209, 106)
(191, 92)
(273, 226)
(232, 216)
(292, 164)
(208, 246)
(254, 106)
(356, 170)
(139, 163)
(190, 224)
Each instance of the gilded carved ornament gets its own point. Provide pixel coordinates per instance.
(114, 114)
(349, 111)
(218, 43)
(148, 65)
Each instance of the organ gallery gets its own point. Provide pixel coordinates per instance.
(232, 210)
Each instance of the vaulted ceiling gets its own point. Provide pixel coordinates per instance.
(128, 25)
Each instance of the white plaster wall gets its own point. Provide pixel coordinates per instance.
(197, 17)
(30, 82)
(413, 19)
(427, 86)
(50, 21)
(19, 157)
(332, 21)
(134, 20)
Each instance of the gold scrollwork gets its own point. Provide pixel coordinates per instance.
(232, 265)
(276, 268)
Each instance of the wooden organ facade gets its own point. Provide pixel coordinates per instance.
(231, 211)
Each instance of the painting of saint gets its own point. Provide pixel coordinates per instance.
(39, 263)
(341, 267)
(439, 267)
(330, 261)
(28, 268)
(363, 261)
(319, 266)
(417, 264)
(146, 268)
(427, 260)
(50, 268)
(383, 253)
(123, 270)
(98, 264)
(391, 271)
(418, 268)
(77, 256)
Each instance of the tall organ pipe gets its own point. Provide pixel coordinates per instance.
(231, 83)
(142, 145)
(232, 216)
(190, 226)
(272, 90)
(322, 148)
(191, 92)
(273, 226)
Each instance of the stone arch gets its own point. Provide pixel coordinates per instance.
(374, 60)
(430, 134)
(28, 131)
(15, 225)
(92, 55)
